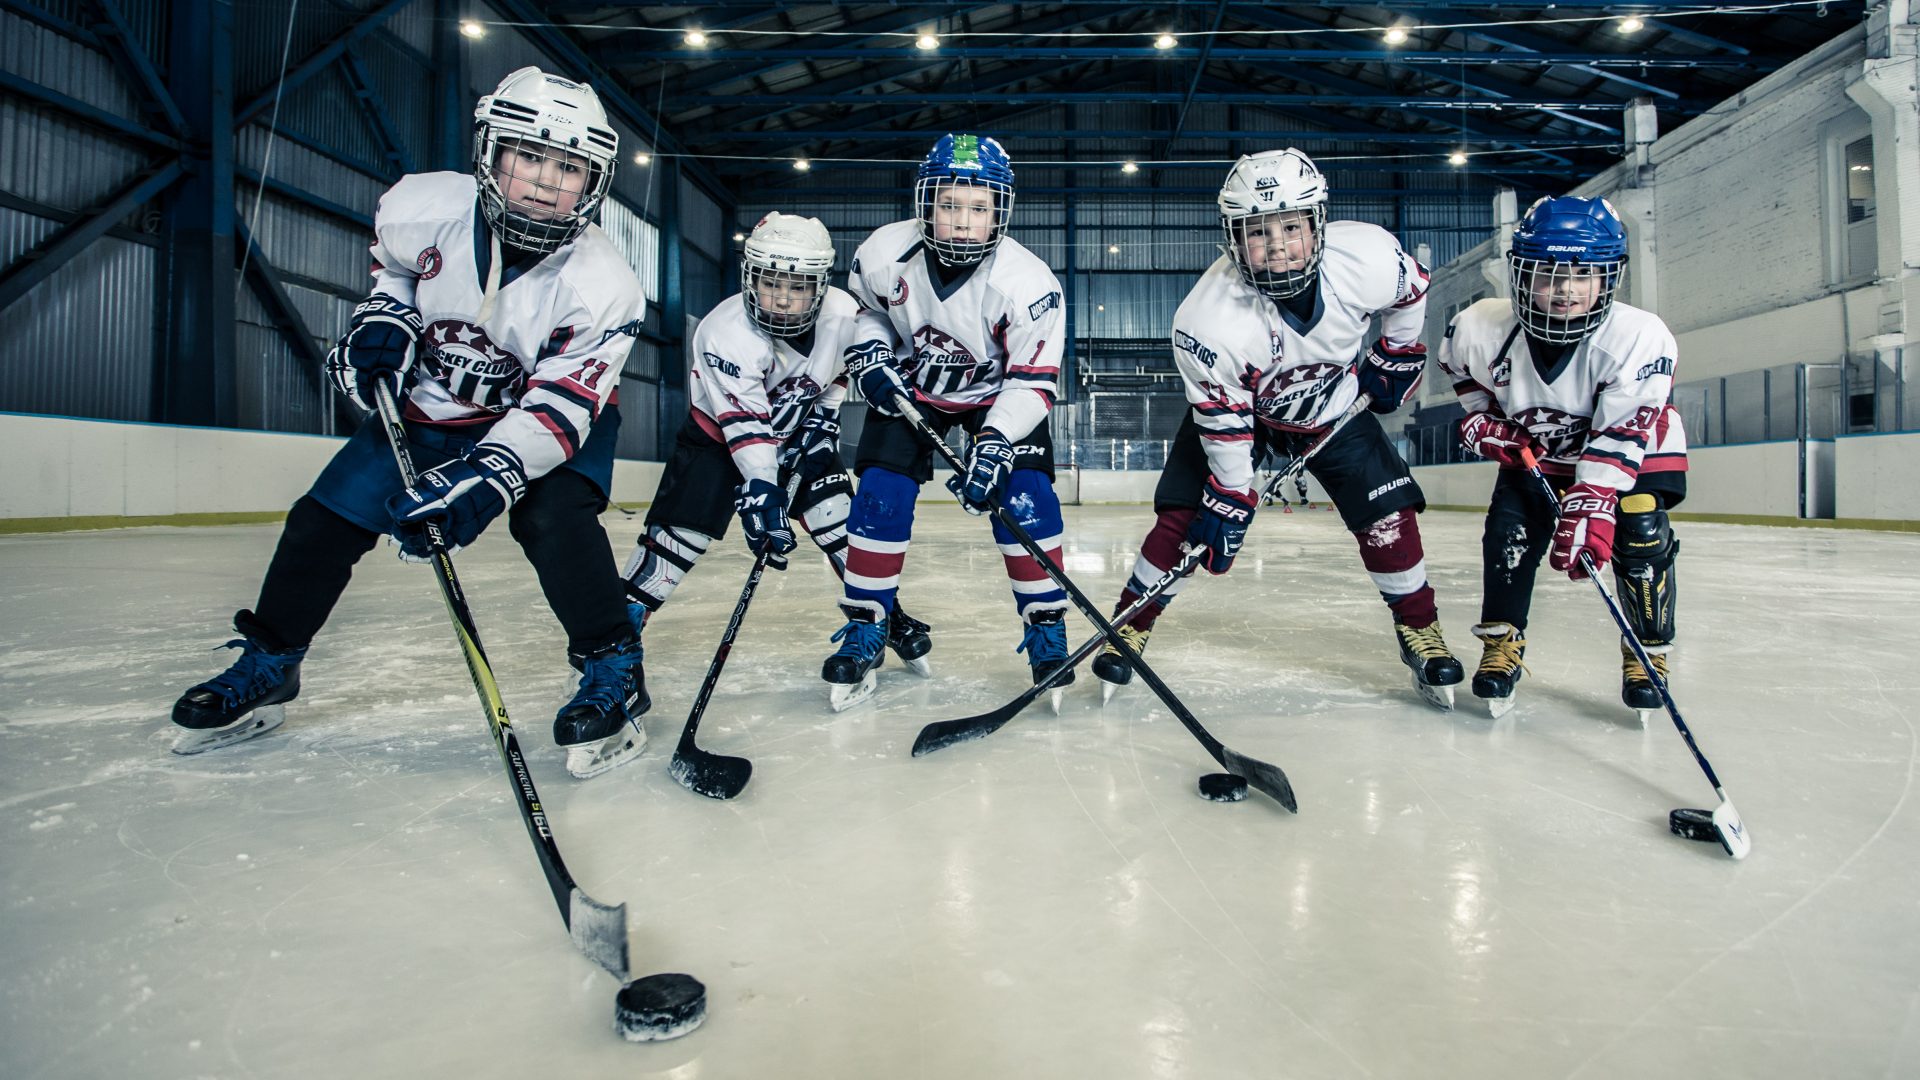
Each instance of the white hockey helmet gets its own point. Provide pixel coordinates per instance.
(532, 111)
(800, 250)
(1273, 182)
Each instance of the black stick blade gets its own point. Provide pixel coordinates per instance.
(1268, 778)
(944, 733)
(716, 776)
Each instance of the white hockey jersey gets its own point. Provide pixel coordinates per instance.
(993, 340)
(1242, 357)
(548, 355)
(1604, 417)
(750, 390)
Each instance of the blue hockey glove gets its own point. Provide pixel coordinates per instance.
(989, 464)
(763, 515)
(871, 365)
(462, 497)
(819, 433)
(380, 344)
(1390, 376)
(1220, 525)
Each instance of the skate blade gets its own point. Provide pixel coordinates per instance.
(254, 724)
(1054, 698)
(844, 696)
(1107, 690)
(920, 666)
(1498, 707)
(589, 760)
(1440, 697)
(1644, 716)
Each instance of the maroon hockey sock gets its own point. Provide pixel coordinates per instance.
(1390, 550)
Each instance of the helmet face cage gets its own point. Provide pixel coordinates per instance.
(1568, 252)
(1265, 188)
(547, 141)
(785, 253)
(941, 196)
(1279, 284)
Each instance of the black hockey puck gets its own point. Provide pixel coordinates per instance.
(1693, 824)
(659, 1007)
(1223, 787)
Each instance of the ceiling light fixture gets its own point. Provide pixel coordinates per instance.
(927, 43)
(469, 28)
(695, 38)
(1458, 157)
(1396, 35)
(1164, 42)
(1129, 168)
(1631, 24)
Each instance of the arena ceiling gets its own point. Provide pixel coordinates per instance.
(1532, 91)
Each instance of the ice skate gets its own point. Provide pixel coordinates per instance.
(1435, 671)
(1501, 649)
(1111, 668)
(850, 671)
(1045, 643)
(910, 641)
(601, 727)
(1636, 689)
(243, 702)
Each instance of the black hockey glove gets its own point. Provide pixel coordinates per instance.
(380, 344)
(763, 515)
(463, 497)
(871, 365)
(1220, 525)
(819, 433)
(989, 464)
(1391, 375)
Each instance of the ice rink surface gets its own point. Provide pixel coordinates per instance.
(354, 894)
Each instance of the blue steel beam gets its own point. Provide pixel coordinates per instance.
(126, 49)
(87, 114)
(880, 75)
(1513, 37)
(305, 197)
(317, 61)
(33, 267)
(271, 290)
(374, 110)
(1199, 72)
(1264, 56)
(877, 29)
(1152, 97)
(1485, 83)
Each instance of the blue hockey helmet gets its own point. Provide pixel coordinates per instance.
(1568, 259)
(955, 163)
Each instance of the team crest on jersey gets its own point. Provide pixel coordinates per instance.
(1501, 371)
(429, 263)
(798, 389)
(942, 362)
(474, 369)
(1273, 343)
(899, 295)
(1563, 434)
(1294, 394)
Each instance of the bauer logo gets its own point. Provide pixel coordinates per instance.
(723, 366)
(1391, 485)
(1186, 343)
(1662, 366)
(1043, 305)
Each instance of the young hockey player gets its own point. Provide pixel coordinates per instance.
(766, 383)
(520, 313)
(1271, 346)
(970, 324)
(1584, 382)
